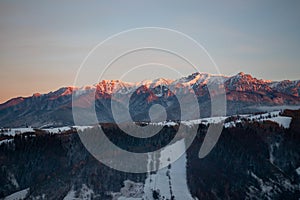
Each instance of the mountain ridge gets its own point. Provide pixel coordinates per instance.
(273, 84)
(242, 92)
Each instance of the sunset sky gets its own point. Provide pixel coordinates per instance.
(44, 42)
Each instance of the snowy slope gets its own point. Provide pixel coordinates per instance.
(18, 195)
(274, 117)
(169, 181)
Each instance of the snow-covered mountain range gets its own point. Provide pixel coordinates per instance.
(244, 94)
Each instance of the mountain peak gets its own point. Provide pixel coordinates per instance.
(244, 75)
(36, 94)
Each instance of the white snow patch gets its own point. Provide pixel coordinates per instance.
(6, 141)
(43, 196)
(84, 193)
(130, 191)
(273, 116)
(206, 121)
(16, 131)
(166, 124)
(266, 189)
(271, 151)
(58, 130)
(232, 123)
(13, 180)
(18, 195)
(229, 124)
(82, 128)
(298, 171)
(66, 128)
(70, 195)
(282, 121)
(264, 115)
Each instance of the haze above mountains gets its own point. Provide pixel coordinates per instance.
(244, 94)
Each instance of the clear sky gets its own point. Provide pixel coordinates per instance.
(42, 43)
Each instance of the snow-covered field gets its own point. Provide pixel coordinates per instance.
(166, 182)
(170, 181)
(16, 131)
(269, 116)
(274, 117)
